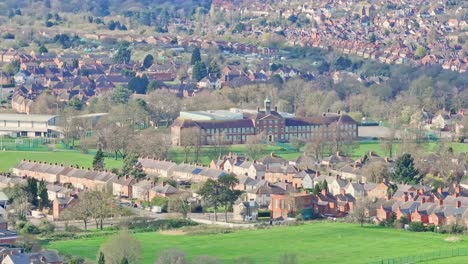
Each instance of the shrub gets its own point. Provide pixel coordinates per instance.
(263, 213)
(205, 260)
(453, 229)
(170, 256)
(74, 229)
(431, 228)
(46, 227)
(160, 201)
(416, 227)
(162, 224)
(29, 228)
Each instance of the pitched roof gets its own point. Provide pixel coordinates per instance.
(156, 164)
(165, 189)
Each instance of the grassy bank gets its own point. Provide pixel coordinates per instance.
(317, 242)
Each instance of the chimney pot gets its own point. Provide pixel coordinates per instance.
(458, 204)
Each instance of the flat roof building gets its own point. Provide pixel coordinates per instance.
(22, 125)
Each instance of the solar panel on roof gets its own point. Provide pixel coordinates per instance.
(197, 171)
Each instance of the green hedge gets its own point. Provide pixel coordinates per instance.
(162, 224)
(64, 235)
(264, 214)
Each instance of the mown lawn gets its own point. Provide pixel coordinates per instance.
(9, 159)
(365, 147)
(317, 242)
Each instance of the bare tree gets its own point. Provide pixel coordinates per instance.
(21, 205)
(180, 203)
(294, 91)
(342, 138)
(70, 126)
(82, 210)
(114, 138)
(163, 105)
(171, 256)
(45, 103)
(122, 245)
(360, 210)
(386, 144)
(152, 143)
(317, 146)
(101, 207)
(192, 140)
(219, 144)
(375, 171)
(254, 147)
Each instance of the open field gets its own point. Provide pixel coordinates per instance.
(9, 159)
(317, 242)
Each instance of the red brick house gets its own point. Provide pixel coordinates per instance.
(380, 191)
(284, 205)
(60, 204)
(122, 187)
(325, 203)
(384, 213)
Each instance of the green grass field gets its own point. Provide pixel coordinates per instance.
(9, 159)
(317, 242)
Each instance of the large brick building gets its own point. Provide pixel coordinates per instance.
(235, 125)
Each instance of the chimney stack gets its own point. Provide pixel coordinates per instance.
(440, 202)
(457, 189)
(405, 197)
(440, 190)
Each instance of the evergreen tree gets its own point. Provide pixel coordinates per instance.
(31, 189)
(123, 54)
(196, 56)
(132, 167)
(405, 171)
(101, 259)
(317, 189)
(137, 171)
(138, 85)
(325, 185)
(214, 69)
(43, 195)
(120, 95)
(98, 161)
(199, 71)
(42, 49)
(148, 61)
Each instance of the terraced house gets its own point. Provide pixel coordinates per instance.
(81, 178)
(235, 125)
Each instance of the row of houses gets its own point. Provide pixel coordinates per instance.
(416, 203)
(80, 178)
